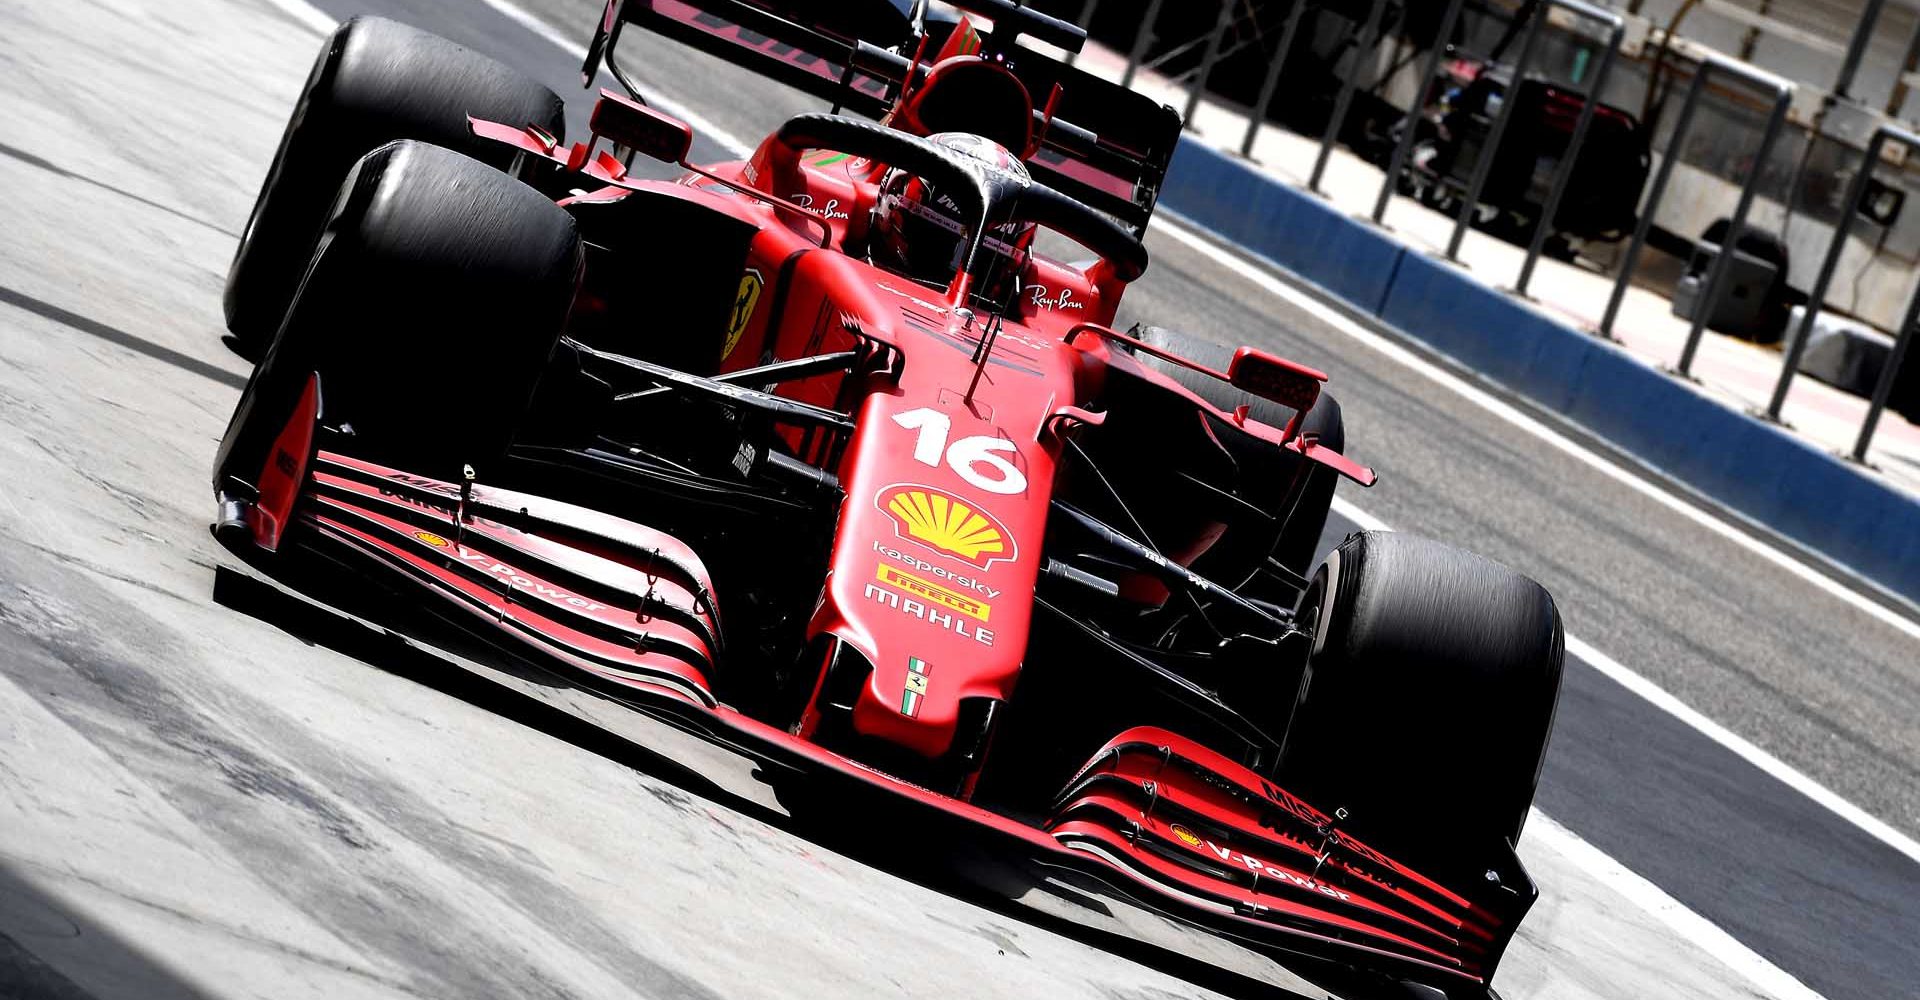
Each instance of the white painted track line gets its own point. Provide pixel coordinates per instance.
(1660, 698)
(307, 14)
(1704, 934)
(1208, 244)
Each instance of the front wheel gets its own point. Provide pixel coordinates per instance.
(1428, 700)
(431, 305)
(375, 81)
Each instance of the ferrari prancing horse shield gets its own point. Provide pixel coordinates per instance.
(743, 303)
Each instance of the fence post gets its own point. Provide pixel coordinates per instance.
(1654, 195)
(1857, 48)
(1141, 41)
(1483, 166)
(1723, 261)
(1207, 61)
(1405, 143)
(1272, 82)
(1883, 389)
(1369, 35)
(1856, 190)
(1564, 175)
(1086, 21)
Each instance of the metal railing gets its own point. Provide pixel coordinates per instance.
(1272, 82)
(1398, 162)
(1369, 37)
(1207, 60)
(1616, 30)
(1903, 338)
(1711, 65)
(1737, 227)
(1141, 41)
(1086, 21)
(1483, 165)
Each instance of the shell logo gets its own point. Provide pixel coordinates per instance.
(431, 539)
(947, 524)
(1186, 836)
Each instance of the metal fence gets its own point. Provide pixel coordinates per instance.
(1903, 338)
(1710, 67)
(1776, 93)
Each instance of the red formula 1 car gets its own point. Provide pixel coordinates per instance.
(832, 456)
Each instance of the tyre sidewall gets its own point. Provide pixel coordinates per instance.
(1429, 697)
(430, 309)
(374, 81)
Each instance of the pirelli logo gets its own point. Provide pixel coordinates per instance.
(934, 594)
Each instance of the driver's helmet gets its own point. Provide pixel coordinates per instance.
(920, 233)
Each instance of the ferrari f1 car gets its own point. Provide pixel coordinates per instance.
(831, 456)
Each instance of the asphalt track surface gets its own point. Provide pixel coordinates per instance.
(193, 796)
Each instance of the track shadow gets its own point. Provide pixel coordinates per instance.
(386, 651)
(40, 936)
(114, 335)
(916, 843)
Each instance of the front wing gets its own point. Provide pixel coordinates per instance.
(629, 612)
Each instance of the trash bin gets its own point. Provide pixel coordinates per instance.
(1753, 299)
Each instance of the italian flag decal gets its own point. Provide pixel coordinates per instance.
(965, 41)
(917, 670)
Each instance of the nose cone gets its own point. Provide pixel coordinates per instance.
(932, 576)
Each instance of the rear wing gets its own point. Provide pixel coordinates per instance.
(1105, 145)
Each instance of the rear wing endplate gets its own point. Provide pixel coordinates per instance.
(1106, 145)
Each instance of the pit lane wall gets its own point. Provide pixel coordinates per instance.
(1752, 467)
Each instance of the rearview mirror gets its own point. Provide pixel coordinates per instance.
(1268, 376)
(650, 133)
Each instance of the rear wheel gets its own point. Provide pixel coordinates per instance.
(374, 82)
(1428, 700)
(1296, 544)
(431, 305)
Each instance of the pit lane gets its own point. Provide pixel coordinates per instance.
(197, 800)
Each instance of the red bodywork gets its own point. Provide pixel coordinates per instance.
(891, 593)
(1188, 830)
(948, 476)
(895, 592)
(929, 579)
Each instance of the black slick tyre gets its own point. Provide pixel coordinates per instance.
(436, 296)
(375, 81)
(1428, 699)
